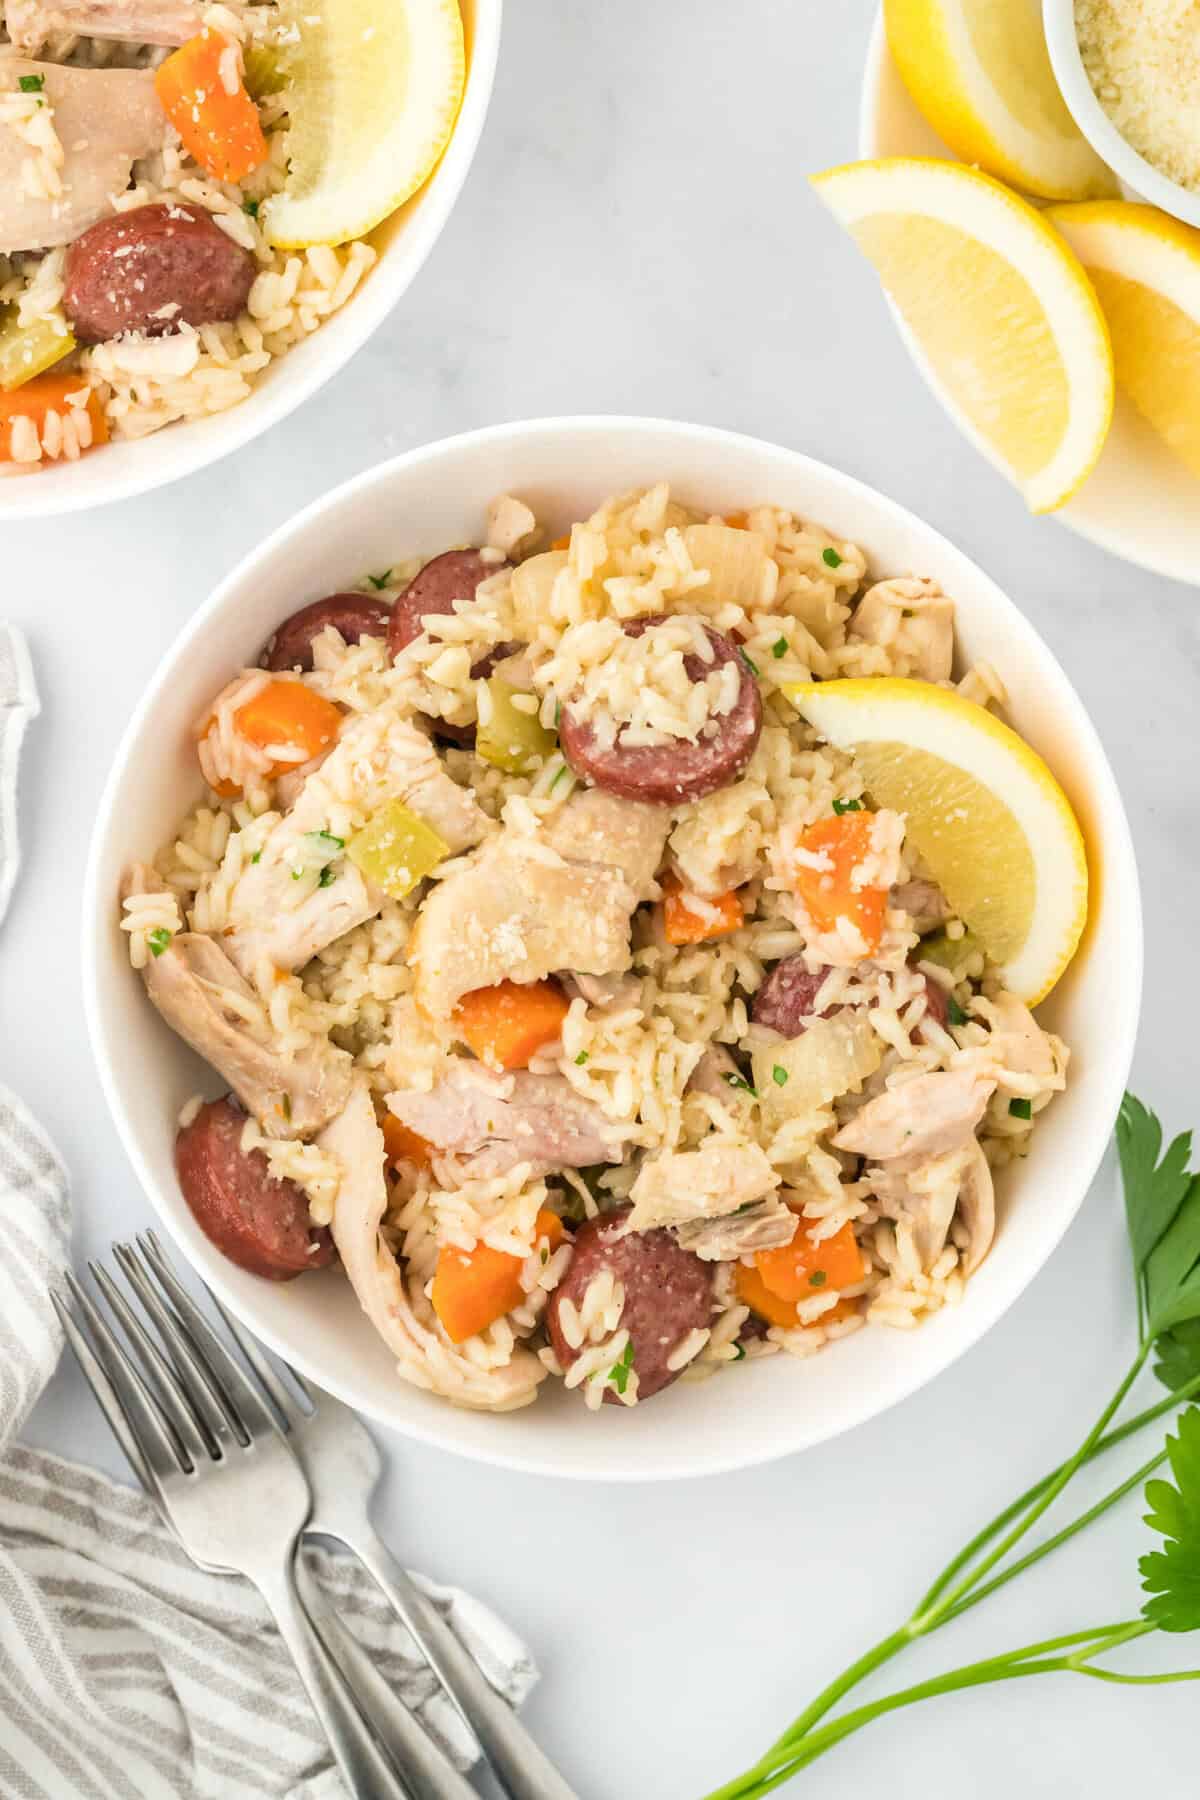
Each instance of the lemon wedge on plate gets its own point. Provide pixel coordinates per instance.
(986, 815)
(1000, 309)
(1145, 267)
(373, 94)
(980, 72)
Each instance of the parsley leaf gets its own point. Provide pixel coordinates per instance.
(31, 84)
(619, 1373)
(251, 207)
(750, 664)
(1021, 1109)
(739, 1352)
(831, 559)
(581, 1059)
(818, 1278)
(845, 806)
(159, 939)
(327, 877)
(1172, 1575)
(1179, 1355)
(380, 581)
(739, 1081)
(325, 840)
(1153, 1194)
(954, 1012)
(257, 857)
(779, 648)
(779, 1075)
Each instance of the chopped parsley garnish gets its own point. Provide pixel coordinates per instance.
(31, 84)
(557, 712)
(1021, 1109)
(325, 840)
(739, 1081)
(619, 1373)
(581, 1059)
(257, 857)
(845, 806)
(954, 1012)
(251, 207)
(779, 648)
(739, 1352)
(159, 939)
(831, 558)
(297, 874)
(563, 771)
(327, 877)
(380, 581)
(750, 664)
(818, 1278)
(779, 1075)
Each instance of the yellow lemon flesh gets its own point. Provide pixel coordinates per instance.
(1145, 268)
(373, 95)
(1000, 308)
(987, 817)
(980, 72)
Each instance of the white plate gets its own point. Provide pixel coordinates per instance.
(563, 467)
(1140, 502)
(128, 467)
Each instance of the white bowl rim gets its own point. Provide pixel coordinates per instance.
(717, 1458)
(26, 497)
(1066, 59)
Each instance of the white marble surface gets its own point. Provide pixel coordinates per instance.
(637, 236)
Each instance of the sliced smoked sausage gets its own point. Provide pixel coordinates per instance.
(785, 1000)
(453, 576)
(356, 616)
(668, 1293)
(152, 270)
(685, 769)
(258, 1222)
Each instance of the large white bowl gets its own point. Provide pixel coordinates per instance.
(123, 469)
(418, 504)
(1140, 501)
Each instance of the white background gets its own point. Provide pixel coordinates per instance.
(637, 235)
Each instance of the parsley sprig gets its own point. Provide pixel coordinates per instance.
(1162, 1206)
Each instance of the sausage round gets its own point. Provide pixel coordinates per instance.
(356, 616)
(785, 1000)
(260, 1223)
(152, 270)
(453, 576)
(667, 774)
(668, 1293)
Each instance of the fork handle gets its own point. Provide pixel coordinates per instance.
(524, 1771)
(367, 1772)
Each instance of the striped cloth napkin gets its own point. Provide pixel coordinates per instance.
(126, 1673)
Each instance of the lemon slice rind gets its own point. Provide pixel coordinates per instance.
(1032, 821)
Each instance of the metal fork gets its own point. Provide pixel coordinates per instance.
(343, 1465)
(228, 1485)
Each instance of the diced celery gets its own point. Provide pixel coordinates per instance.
(512, 740)
(395, 849)
(29, 350)
(948, 952)
(264, 72)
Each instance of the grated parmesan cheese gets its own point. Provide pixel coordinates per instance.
(1142, 58)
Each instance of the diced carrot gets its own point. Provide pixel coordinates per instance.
(740, 521)
(200, 88)
(683, 925)
(562, 543)
(829, 891)
(45, 394)
(753, 1292)
(402, 1144)
(506, 1025)
(472, 1288)
(798, 1270)
(287, 712)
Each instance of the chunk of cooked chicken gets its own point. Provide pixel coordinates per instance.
(397, 1308)
(104, 119)
(763, 1225)
(920, 1118)
(708, 1183)
(31, 23)
(493, 1122)
(924, 902)
(1019, 1044)
(203, 997)
(930, 1193)
(281, 920)
(527, 906)
(914, 622)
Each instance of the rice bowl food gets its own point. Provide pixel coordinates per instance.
(574, 988)
(182, 202)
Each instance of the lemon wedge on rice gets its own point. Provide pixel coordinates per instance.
(1145, 267)
(999, 306)
(986, 815)
(373, 95)
(980, 72)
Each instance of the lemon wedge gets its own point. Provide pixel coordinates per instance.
(373, 94)
(980, 72)
(999, 306)
(1145, 267)
(986, 815)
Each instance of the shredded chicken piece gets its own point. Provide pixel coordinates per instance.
(919, 1118)
(1019, 1044)
(708, 1183)
(31, 23)
(493, 1122)
(426, 1357)
(914, 622)
(105, 119)
(924, 901)
(595, 827)
(763, 1225)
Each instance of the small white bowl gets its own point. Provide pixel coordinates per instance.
(563, 467)
(1140, 501)
(1129, 165)
(125, 468)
